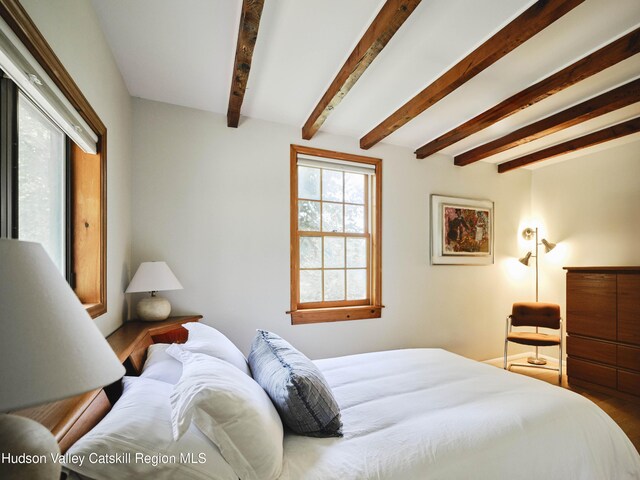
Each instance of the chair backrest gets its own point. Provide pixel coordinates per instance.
(535, 314)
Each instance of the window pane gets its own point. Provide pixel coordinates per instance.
(310, 286)
(309, 216)
(331, 185)
(333, 252)
(41, 181)
(333, 285)
(332, 217)
(354, 218)
(309, 183)
(354, 188)
(310, 252)
(356, 252)
(356, 284)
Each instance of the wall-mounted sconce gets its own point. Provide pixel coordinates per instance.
(530, 234)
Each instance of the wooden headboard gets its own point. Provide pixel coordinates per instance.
(73, 417)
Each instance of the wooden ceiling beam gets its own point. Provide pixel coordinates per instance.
(618, 50)
(615, 99)
(601, 136)
(247, 36)
(533, 20)
(390, 18)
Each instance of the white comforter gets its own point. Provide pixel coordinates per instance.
(431, 414)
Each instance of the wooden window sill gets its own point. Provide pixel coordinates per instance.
(94, 309)
(336, 314)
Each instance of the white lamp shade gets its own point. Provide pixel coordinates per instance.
(153, 277)
(50, 347)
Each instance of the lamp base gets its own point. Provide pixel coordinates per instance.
(30, 448)
(153, 309)
(536, 361)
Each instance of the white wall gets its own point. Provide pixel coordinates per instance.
(591, 207)
(73, 31)
(214, 203)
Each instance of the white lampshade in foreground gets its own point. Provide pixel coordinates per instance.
(153, 277)
(50, 347)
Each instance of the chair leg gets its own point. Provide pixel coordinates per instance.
(506, 339)
(506, 345)
(560, 364)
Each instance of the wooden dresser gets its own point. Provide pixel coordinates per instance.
(603, 328)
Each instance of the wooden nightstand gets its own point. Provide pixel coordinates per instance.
(130, 341)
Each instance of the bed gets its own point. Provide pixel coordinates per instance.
(428, 413)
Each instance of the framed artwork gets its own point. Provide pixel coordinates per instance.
(461, 231)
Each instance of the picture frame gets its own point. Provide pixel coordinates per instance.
(461, 231)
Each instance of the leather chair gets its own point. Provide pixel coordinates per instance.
(538, 315)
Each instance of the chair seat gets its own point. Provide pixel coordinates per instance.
(532, 338)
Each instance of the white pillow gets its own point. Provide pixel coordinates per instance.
(232, 410)
(140, 424)
(161, 366)
(205, 339)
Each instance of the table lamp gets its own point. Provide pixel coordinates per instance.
(153, 277)
(50, 349)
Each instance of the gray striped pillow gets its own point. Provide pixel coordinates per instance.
(296, 387)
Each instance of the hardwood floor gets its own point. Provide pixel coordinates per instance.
(625, 412)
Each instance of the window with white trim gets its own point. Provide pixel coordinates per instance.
(335, 236)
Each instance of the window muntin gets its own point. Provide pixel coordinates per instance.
(41, 182)
(335, 261)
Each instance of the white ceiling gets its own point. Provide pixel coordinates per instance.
(182, 52)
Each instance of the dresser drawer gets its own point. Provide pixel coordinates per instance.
(629, 382)
(591, 305)
(591, 349)
(591, 372)
(629, 357)
(629, 308)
